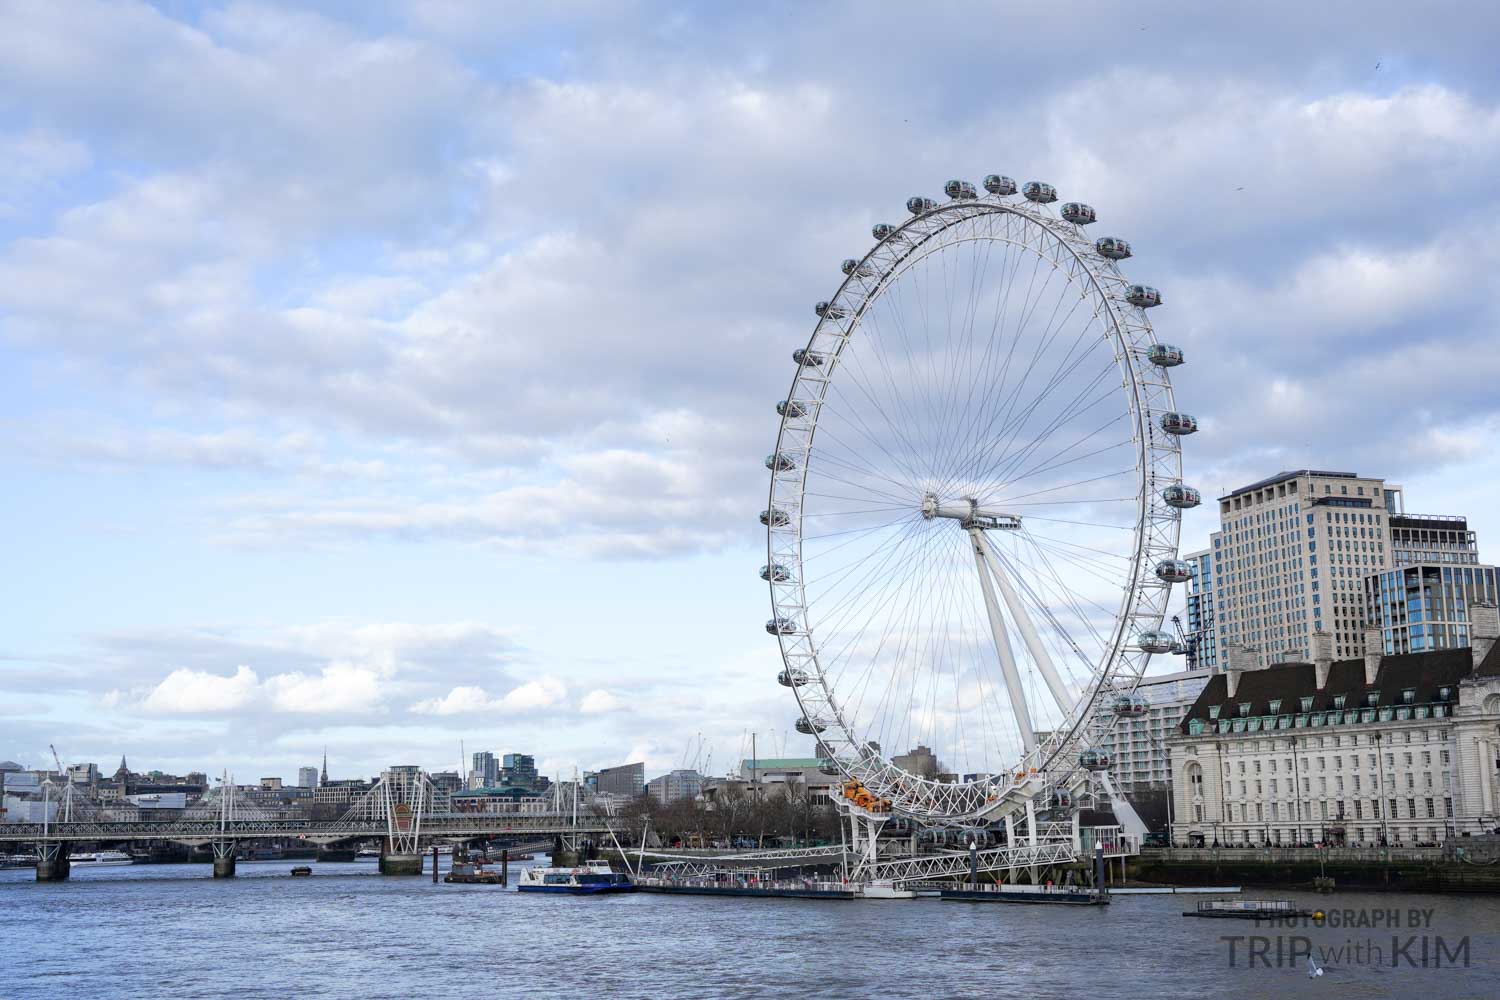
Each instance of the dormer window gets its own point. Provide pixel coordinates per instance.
(1275, 706)
(1408, 696)
(1338, 701)
(1244, 709)
(1372, 699)
(1213, 711)
(1445, 693)
(1306, 703)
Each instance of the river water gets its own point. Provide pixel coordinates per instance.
(171, 931)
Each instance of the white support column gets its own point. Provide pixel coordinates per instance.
(1031, 821)
(1039, 654)
(1002, 645)
(1486, 789)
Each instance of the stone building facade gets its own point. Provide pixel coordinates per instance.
(1396, 749)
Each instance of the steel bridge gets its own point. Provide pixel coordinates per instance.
(403, 809)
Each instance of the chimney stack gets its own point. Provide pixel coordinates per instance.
(1240, 659)
(1484, 629)
(1374, 649)
(1322, 657)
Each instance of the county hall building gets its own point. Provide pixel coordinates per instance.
(1397, 749)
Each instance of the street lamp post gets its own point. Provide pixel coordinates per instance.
(1296, 786)
(1380, 803)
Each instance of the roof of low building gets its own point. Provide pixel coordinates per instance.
(775, 763)
(1282, 477)
(1289, 683)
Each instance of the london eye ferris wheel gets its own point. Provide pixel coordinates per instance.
(974, 499)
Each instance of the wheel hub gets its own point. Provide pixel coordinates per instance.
(969, 514)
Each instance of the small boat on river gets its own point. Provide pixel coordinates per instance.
(593, 879)
(100, 859)
(1248, 909)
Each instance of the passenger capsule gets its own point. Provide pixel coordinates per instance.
(1078, 213)
(1164, 355)
(1179, 423)
(809, 727)
(916, 204)
(809, 358)
(777, 462)
(1174, 571)
(781, 626)
(1143, 295)
(791, 678)
(882, 230)
(1112, 247)
(1062, 798)
(829, 310)
(775, 518)
(1094, 759)
(829, 768)
(1039, 192)
(775, 573)
(854, 267)
(1131, 706)
(1156, 642)
(1181, 497)
(960, 189)
(791, 408)
(999, 184)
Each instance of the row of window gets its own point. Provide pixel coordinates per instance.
(1378, 783)
(1257, 812)
(1408, 759)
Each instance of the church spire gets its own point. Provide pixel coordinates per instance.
(324, 779)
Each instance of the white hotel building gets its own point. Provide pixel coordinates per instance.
(1290, 559)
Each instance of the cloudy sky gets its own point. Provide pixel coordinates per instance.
(386, 375)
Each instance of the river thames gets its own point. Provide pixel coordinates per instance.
(171, 931)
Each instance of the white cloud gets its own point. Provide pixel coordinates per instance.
(599, 702)
(339, 688)
(196, 692)
(36, 162)
(542, 693)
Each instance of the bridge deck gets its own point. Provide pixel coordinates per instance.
(458, 825)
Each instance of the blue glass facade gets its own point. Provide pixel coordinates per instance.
(1200, 608)
(1426, 607)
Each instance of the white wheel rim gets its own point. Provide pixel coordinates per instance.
(821, 648)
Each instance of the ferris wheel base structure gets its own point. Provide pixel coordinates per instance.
(974, 509)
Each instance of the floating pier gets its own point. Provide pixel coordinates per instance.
(783, 888)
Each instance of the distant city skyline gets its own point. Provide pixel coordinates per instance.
(393, 379)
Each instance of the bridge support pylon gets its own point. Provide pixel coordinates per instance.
(399, 864)
(224, 858)
(52, 864)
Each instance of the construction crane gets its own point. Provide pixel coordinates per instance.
(1188, 642)
(61, 773)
